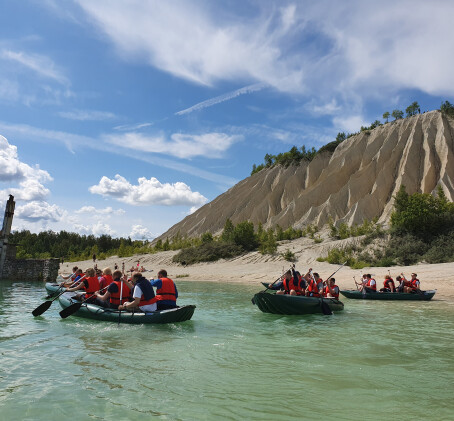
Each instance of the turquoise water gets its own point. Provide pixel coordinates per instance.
(374, 361)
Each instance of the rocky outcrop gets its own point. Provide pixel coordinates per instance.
(356, 182)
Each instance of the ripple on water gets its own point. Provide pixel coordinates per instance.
(377, 360)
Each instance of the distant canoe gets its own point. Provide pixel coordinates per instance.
(397, 296)
(53, 289)
(293, 304)
(94, 312)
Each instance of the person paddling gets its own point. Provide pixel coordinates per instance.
(166, 291)
(331, 289)
(90, 285)
(112, 297)
(314, 284)
(291, 284)
(143, 295)
(388, 284)
(413, 285)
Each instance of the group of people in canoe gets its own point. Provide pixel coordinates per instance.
(118, 291)
(310, 285)
(369, 285)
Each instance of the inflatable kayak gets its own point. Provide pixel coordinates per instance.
(53, 289)
(92, 311)
(397, 296)
(293, 304)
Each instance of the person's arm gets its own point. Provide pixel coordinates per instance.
(157, 283)
(103, 297)
(81, 285)
(129, 305)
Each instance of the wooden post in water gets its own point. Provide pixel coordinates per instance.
(6, 229)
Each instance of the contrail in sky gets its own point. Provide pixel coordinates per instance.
(221, 98)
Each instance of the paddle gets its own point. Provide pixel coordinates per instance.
(45, 306)
(325, 307)
(66, 312)
(121, 296)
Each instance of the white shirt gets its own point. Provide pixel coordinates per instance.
(137, 294)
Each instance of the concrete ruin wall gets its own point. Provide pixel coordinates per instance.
(30, 269)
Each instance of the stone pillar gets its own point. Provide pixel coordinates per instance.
(6, 229)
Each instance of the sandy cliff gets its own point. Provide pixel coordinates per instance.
(356, 182)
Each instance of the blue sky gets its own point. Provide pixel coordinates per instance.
(123, 117)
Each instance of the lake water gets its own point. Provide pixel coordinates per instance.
(373, 361)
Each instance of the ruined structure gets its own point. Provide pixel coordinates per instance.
(21, 269)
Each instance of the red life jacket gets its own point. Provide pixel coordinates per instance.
(374, 286)
(335, 295)
(389, 283)
(414, 283)
(115, 296)
(313, 287)
(105, 281)
(93, 285)
(167, 291)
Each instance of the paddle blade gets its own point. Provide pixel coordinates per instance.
(70, 310)
(325, 309)
(41, 308)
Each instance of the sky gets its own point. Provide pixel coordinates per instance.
(123, 117)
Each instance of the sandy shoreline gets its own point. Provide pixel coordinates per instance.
(254, 268)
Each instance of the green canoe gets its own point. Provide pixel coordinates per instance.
(398, 296)
(53, 289)
(92, 311)
(293, 304)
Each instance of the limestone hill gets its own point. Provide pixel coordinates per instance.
(356, 182)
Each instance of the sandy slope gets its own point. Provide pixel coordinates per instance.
(253, 268)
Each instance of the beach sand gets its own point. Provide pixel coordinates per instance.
(254, 268)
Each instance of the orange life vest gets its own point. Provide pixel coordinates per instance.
(313, 287)
(335, 295)
(115, 296)
(369, 284)
(414, 283)
(93, 285)
(389, 283)
(167, 291)
(106, 281)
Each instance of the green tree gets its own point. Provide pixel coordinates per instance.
(412, 109)
(341, 136)
(386, 115)
(447, 108)
(398, 114)
(228, 232)
(207, 237)
(267, 242)
(244, 236)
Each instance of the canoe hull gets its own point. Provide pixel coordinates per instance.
(52, 289)
(393, 296)
(293, 305)
(94, 312)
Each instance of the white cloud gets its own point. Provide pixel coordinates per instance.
(311, 48)
(188, 41)
(210, 145)
(39, 211)
(41, 65)
(96, 229)
(350, 124)
(221, 98)
(73, 141)
(87, 115)
(148, 192)
(328, 108)
(131, 127)
(30, 179)
(139, 232)
(106, 211)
